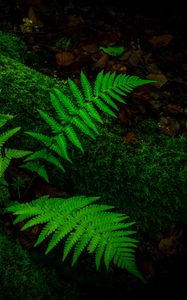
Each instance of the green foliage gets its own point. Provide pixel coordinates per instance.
(12, 46)
(4, 196)
(63, 43)
(36, 167)
(148, 176)
(20, 279)
(113, 50)
(82, 112)
(87, 225)
(6, 154)
(24, 90)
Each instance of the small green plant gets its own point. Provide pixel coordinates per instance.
(63, 43)
(17, 184)
(89, 226)
(113, 50)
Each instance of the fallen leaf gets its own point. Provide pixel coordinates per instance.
(90, 48)
(136, 58)
(173, 108)
(168, 244)
(168, 125)
(148, 269)
(161, 78)
(130, 137)
(102, 62)
(161, 40)
(65, 58)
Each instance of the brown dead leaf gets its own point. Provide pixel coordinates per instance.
(153, 68)
(161, 78)
(118, 68)
(130, 137)
(173, 108)
(90, 48)
(102, 62)
(168, 244)
(161, 40)
(136, 58)
(168, 126)
(65, 58)
(148, 269)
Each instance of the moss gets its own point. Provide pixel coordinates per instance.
(4, 196)
(19, 278)
(12, 46)
(23, 91)
(148, 178)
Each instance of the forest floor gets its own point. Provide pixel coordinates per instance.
(154, 47)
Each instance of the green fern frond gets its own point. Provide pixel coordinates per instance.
(4, 118)
(76, 93)
(114, 95)
(93, 112)
(46, 155)
(117, 80)
(88, 120)
(135, 81)
(37, 167)
(61, 147)
(55, 161)
(72, 136)
(83, 127)
(4, 163)
(47, 141)
(82, 111)
(84, 226)
(87, 88)
(64, 118)
(7, 134)
(55, 126)
(14, 153)
(98, 83)
(111, 79)
(120, 92)
(7, 156)
(65, 102)
(57, 144)
(80, 246)
(105, 82)
(108, 100)
(3, 182)
(104, 107)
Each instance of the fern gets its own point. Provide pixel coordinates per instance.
(38, 168)
(6, 155)
(82, 225)
(81, 110)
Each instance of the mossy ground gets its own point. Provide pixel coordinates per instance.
(146, 180)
